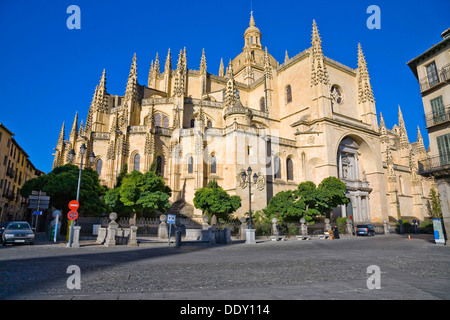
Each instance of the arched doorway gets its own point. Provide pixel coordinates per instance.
(353, 156)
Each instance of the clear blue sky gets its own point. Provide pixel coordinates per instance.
(49, 72)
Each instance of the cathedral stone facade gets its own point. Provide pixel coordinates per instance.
(306, 118)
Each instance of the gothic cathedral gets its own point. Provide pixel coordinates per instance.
(304, 119)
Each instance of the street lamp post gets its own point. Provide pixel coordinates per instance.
(71, 157)
(255, 178)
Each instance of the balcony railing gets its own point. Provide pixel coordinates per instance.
(433, 118)
(442, 76)
(436, 166)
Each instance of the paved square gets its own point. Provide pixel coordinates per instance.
(315, 269)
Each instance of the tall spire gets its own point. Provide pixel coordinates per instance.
(230, 93)
(131, 90)
(286, 57)
(383, 130)
(221, 69)
(74, 130)
(61, 134)
(420, 144)
(252, 20)
(203, 63)
(267, 68)
(319, 73)
(168, 65)
(365, 92)
(179, 76)
(156, 70)
(404, 141)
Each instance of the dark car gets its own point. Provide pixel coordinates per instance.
(2, 228)
(18, 232)
(364, 230)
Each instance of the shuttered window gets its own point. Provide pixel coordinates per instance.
(437, 107)
(443, 143)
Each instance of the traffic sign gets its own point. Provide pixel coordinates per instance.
(171, 218)
(72, 215)
(74, 205)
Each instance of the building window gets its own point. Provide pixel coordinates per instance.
(190, 165)
(443, 143)
(158, 120)
(288, 93)
(336, 95)
(213, 164)
(192, 123)
(262, 104)
(432, 74)
(99, 166)
(137, 159)
(289, 169)
(276, 167)
(438, 109)
(209, 124)
(159, 165)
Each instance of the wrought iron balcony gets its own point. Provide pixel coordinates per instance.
(436, 166)
(433, 118)
(442, 77)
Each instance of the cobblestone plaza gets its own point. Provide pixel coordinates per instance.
(283, 270)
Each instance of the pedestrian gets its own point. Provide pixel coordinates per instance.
(336, 232)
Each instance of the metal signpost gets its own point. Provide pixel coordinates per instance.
(171, 220)
(38, 200)
(72, 215)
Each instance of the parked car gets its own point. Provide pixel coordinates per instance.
(2, 228)
(364, 230)
(18, 232)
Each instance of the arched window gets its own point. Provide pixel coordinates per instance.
(213, 164)
(262, 104)
(158, 120)
(165, 122)
(288, 93)
(98, 166)
(137, 160)
(276, 167)
(209, 124)
(289, 169)
(159, 165)
(190, 165)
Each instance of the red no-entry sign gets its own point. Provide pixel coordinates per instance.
(72, 215)
(74, 205)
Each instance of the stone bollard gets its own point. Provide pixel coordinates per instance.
(349, 227)
(275, 231)
(205, 224)
(212, 235)
(242, 228)
(162, 229)
(76, 237)
(101, 237)
(227, 235)
(113, 227)
(327, 225)
(303, 227)
(132, 242)
(385, 226)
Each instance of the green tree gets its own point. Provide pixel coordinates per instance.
(213, 200)
(61, 185)
(434, 205)
(140, 194)
(307, 201)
